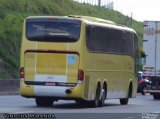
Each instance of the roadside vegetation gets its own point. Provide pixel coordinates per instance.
(13, 12)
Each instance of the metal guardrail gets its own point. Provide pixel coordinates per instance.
(10, 86)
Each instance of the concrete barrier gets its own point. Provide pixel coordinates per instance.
(9, 86)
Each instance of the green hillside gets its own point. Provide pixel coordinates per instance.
(13, 12)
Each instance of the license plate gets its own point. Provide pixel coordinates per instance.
(50, 84)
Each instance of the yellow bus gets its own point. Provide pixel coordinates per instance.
(79, 58)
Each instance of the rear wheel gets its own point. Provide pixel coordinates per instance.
(142, 90)
(95, 102)
(156, 96)
(124, 101)
(103, 97)
(44, 102)
(143, 93)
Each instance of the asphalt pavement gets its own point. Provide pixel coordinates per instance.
(141, 107)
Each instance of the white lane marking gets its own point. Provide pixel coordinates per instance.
(129, 118)
(24, 112)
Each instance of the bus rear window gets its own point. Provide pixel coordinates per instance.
(52, 30)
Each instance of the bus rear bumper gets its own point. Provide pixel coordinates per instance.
(61, 92)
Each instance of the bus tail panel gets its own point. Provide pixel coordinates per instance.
(51, 72)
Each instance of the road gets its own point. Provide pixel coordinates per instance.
(136, 107)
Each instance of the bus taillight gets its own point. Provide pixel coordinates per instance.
(22, 72)
(80, 75)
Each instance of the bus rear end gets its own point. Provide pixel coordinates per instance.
(50, 60)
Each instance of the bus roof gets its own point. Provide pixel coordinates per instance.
(93, 19)
(97, 21)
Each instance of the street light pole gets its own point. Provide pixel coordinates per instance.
(99, 3)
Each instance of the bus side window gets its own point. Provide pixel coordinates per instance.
(88, 30)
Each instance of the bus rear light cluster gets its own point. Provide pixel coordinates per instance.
(80, 75)
(22, 72)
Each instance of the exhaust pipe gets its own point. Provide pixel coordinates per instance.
(68, 91)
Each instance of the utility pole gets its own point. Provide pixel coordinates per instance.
(131, 20)
(99, 3)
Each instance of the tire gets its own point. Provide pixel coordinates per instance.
(143, 93)
(44, 102)
(103, 97)
(95, 102)
(124, 101)
(156, 96)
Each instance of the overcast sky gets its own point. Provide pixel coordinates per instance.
(141, 9)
